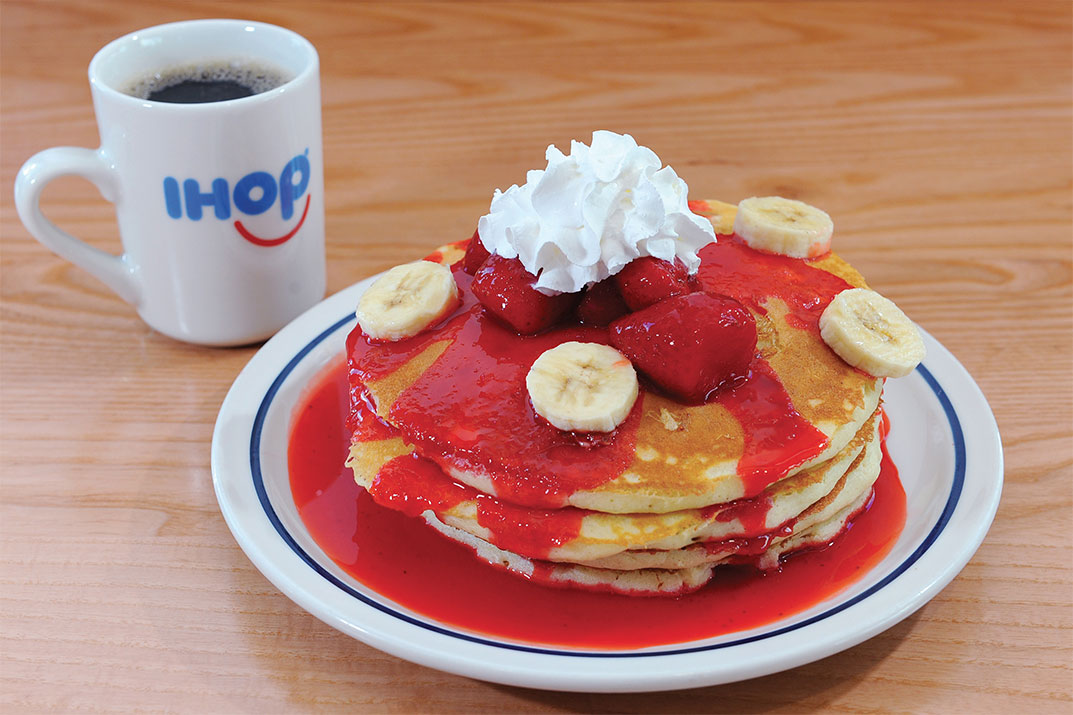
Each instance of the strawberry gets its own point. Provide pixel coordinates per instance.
(506, 290)
(476, 255)
(689, 344)
(648, 280)
(601, 303)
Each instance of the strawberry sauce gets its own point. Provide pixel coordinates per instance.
(472, 404)
(777, 438)
(750, 513)
(404, 560)
(470, 410)
(530, 532)
(731, 268)
(411, 485)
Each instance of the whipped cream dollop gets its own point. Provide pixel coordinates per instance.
(591, 212)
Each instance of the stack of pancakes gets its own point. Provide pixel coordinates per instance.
(688, 487)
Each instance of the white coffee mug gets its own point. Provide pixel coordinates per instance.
(220, 205)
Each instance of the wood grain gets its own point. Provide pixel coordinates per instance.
(937, 134)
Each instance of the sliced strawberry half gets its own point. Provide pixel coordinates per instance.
(601, 303)
(648, 280)
(506, 290)
(690, 344)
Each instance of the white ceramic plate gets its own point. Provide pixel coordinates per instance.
(944, 442)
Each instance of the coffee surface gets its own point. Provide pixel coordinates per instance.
(217, 81)
(194, 92)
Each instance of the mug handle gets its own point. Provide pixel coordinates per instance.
(114, 271)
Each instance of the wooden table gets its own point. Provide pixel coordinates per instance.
(937, 135)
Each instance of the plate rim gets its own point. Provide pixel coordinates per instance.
(294, 343)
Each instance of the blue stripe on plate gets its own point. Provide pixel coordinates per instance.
(258, 481)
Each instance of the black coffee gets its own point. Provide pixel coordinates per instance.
(208, 82)
(191, 91)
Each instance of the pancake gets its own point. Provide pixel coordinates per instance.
(457, 394)
(856, 483)
(648, 581)
(584, 536)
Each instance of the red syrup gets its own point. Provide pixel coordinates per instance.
(777, 438)
(731, 268)
(411, 484)
(404, 560)
(471, 406)
(750, 513)
(470, 409)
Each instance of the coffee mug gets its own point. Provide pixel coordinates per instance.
(220, 204)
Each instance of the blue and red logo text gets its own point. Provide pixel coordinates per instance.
(253, 194)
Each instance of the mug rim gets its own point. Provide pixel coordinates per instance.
(97, 83)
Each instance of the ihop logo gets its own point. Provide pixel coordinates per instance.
(253, 194)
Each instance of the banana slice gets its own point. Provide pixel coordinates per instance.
(871, 333)
(785, 226)
(406, 300)
(582, 387)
